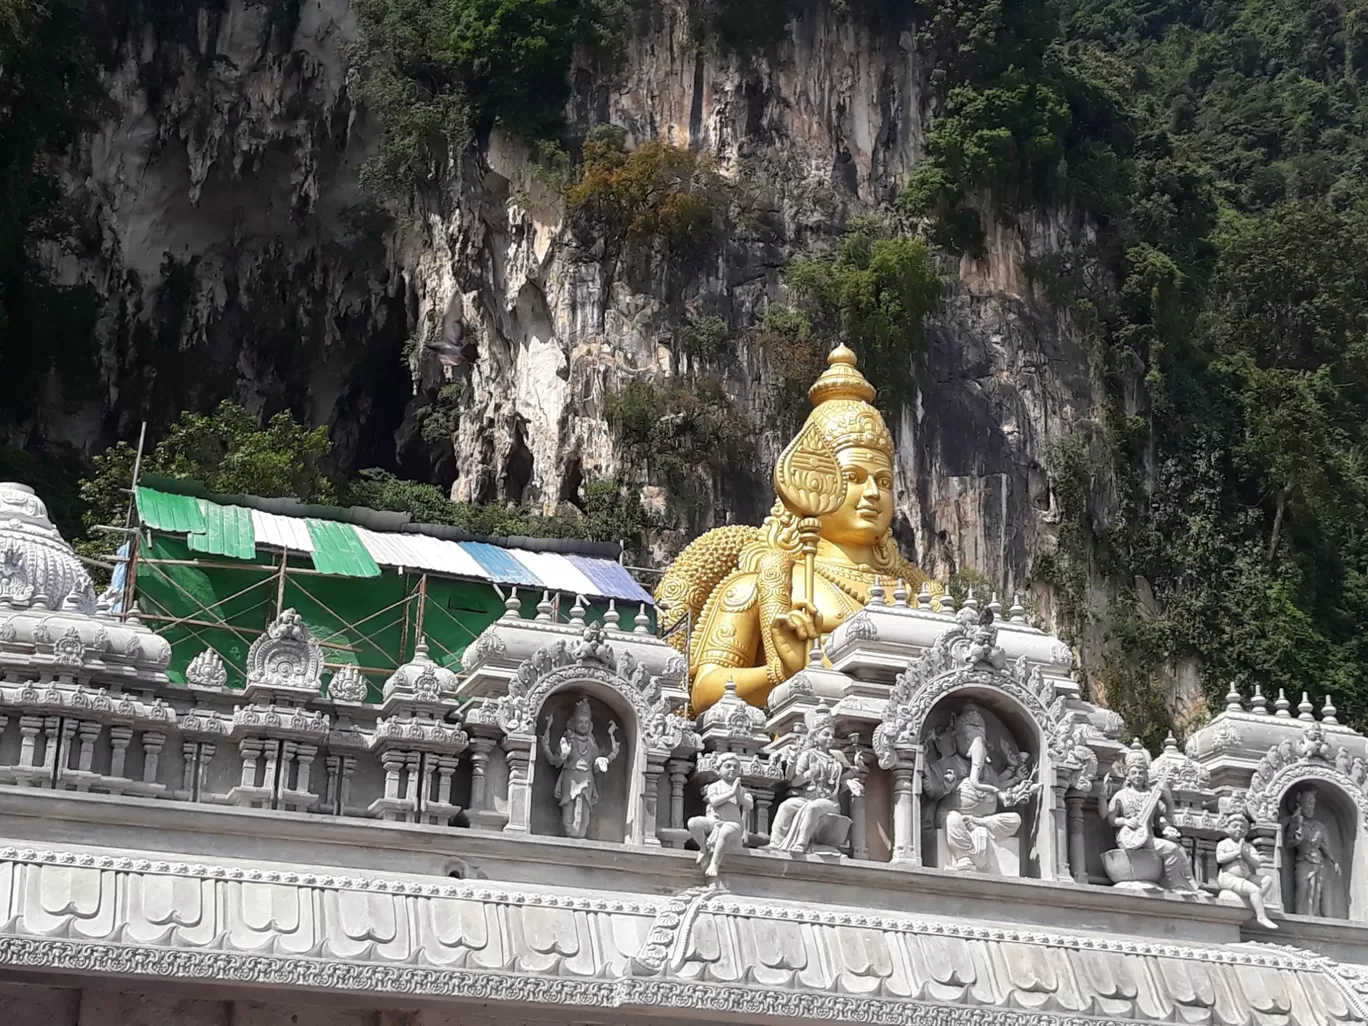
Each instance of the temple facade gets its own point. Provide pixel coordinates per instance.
(927, 823)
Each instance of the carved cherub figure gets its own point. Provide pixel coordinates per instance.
(1240, 870)
(723, 827)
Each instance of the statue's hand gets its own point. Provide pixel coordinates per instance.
(601, 764)
(1171, 833)
(793, 634)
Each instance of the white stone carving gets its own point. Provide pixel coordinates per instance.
(206, 670)
(286, 657)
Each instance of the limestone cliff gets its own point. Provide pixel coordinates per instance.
(238, 256)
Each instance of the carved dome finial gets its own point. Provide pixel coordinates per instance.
(841, 380)
(35, 560)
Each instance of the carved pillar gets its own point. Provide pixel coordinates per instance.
(88, 730)
(288, 751)
(306, 758)
(68, 730)
(249, 749)
(28, 742)
(446, 768)
(119, 737)
(518, 750)
(650, 798)
(764, 798)
(480, 747)
(1053, 841)
(859, 819)
(152, 741)
(1078, 852)
(331, 794)
(206, 753)
(906, 843)
(1264, 837)
(52, 744)
(679, 775)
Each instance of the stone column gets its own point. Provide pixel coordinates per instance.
(152, 741)
(1264, 837)
(650, 798)
(679, 775)
(1078, 852)
(519, 750)
(119, 737)
(906, 843)
(859, 819)
(480, 748)
(764, 798)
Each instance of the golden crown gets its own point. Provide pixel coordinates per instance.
(841, 400)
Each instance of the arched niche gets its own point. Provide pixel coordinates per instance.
(1338, 819)
(613, 816)
(1014, 741)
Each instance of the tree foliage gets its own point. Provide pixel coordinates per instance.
(228, 451)
(437, 72)
(1219, 152)
(872, 293)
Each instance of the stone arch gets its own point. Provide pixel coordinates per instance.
(1268, 804)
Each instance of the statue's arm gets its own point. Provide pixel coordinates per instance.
(728, 645)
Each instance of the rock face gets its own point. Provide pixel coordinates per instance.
(239, 257)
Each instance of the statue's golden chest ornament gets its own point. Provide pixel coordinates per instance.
(757, 598)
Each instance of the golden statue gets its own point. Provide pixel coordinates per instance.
(760, 596)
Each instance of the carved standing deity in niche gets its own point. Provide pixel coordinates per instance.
(1240, 871)
(578, 759)
(723, 827)
(759, 597)
(968, 792)
(811, 815)
(1135, 811)
(1309, 842)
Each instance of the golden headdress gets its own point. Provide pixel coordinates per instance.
(842, 407)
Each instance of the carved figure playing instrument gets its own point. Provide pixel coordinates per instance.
(723, 827)
(811, 815)
(759, 597)
(1135, 811)
(579, 761)
(1308, 840)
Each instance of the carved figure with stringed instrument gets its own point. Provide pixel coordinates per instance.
(758, 598)
(1136, 810)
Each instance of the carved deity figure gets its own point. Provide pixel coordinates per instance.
(1240, 871)
(1135, 811)
(723, 827)
(968, 792)
(1309, 842)
(759, 597)
(578, 759)
(815, 777)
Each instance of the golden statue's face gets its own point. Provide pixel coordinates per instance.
(867, 513)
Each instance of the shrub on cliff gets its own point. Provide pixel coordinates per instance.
(872, 293)
(436, 72)
(658, 196)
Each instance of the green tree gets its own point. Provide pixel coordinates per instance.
(229, 451)
(873, 294)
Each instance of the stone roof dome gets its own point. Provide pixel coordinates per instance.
(50, 623)
(37, 566)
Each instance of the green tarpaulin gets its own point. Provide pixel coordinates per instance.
(368, 622)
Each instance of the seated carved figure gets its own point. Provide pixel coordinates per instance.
(1240, 871)
(745, 588)
(810, 817)
(968, 792)
(1140, 858)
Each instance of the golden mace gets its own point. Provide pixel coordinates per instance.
(808, 479)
